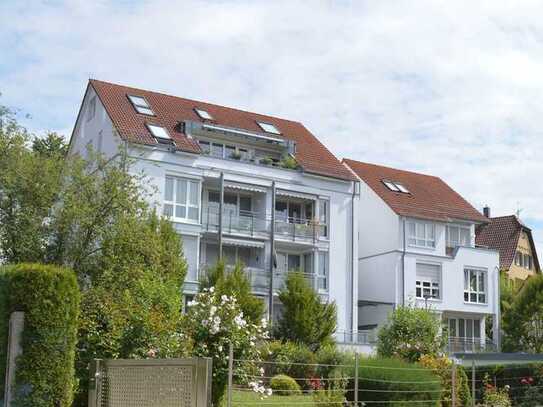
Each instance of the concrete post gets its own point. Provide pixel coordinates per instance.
(16, 326)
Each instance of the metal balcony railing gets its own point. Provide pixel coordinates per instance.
(299, 229)
(470, 345)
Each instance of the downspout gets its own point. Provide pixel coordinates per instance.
(221, 200)
(354, 290)
(403, 265)
(497, 305)
(272, 255)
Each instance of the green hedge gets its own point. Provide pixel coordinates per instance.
(396, 381)
(49, 297)
(285, 385)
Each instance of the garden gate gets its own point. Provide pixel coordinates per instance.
(150, 382)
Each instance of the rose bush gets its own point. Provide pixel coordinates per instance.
(213, 322)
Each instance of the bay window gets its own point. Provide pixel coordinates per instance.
(182, 199)
(422, 234)
(475, 286)
(458, 236)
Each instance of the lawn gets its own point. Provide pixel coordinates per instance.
(243, 398)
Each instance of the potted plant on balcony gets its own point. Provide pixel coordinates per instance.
(236, 155)
(288, 162)
(266, 161)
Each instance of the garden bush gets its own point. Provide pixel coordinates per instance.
(328, 357)
(285, 385)
(442, 367)
(292, 359)
(49, 297)
(393, 381)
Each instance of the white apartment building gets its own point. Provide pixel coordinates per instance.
(417, 246)
(226, 180)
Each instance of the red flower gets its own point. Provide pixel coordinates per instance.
(315, 383)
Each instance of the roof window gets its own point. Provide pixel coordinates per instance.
(141, 105)
(268, 128)
(158, 132)
(396, 187)
(204, 114)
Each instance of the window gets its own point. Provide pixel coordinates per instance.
(427, 284)
(182, 199)
(141, 105)
(323, 216)
(475, 286)
(458, 236)
(322, 275)
(158, 132)
(527, 262)
(91, 110)
(396, 186)
(519, 259)
(268, 128)
(205, 146)
(422, 234)
(203, 114)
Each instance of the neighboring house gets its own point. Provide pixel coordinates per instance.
(417, 245)
(514, 241)
(219, 176)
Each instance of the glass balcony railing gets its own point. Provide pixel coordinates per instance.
(253, 223)
(458, 344)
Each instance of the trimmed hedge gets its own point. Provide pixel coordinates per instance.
(285, 385)
(49, 297)
(404, 384)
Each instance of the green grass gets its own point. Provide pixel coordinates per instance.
(249, 399)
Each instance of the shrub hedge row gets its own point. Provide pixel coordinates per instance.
(49, 297)
(395, 381)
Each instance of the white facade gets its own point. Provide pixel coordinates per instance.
(314, 224)
(430, 264)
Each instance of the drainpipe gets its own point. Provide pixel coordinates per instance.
(272, 255)
(497, 306)
(354, 290)
(403, 265)
(221, 203)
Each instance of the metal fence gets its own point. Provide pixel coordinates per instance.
(150, 382)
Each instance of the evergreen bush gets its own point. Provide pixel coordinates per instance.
(285, 385)
(393, 381)
(49, 297)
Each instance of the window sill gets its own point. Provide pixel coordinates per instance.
(421, 247)
(184, 221)
(481, 304)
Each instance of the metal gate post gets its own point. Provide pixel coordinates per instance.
(453, 385)
(230, 374)
(473, 383)
(356, 379)
(95, 383)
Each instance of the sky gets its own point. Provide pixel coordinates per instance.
(452, 89)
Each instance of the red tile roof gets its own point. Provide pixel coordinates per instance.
(502, 233)
(311, 154)
(429, 197)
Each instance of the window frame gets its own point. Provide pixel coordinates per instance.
(203, 114)
(187, 204)
(323, 259)
(460, 228)
(91, 109)
(432, 286)
(468, 292)
(141, 108)
(269, 128)
(151, 126)
(416, 236)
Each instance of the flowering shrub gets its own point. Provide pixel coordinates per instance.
(495, 396)
(332, 393)
(442, 367)
(410, 333)
(215, 321)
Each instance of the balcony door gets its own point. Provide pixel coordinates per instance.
(464, 334)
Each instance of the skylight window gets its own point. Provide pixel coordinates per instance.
(204, 114)
(158, 132)
(396, 187)
(268, 128)
(141, 105)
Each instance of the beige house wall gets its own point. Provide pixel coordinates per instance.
(517, 272)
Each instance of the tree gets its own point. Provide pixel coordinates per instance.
(234, 283)
(29, 184)
(409, 333)
(305, 318)
(523, 322)
(52, 145)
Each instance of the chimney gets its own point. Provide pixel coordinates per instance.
(486, 211)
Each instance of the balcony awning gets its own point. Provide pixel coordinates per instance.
(242, 243)
(292, 194)
(244, 187)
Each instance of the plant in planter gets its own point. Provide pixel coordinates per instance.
(266, 161)
(289, 162)
(236, 155)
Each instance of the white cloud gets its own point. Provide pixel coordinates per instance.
(449, 88)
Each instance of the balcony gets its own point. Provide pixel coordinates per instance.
(361, 337)
(236, 222)
(470, 345)
(253, 224)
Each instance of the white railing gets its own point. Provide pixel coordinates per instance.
(365, 337)
(458, 344)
